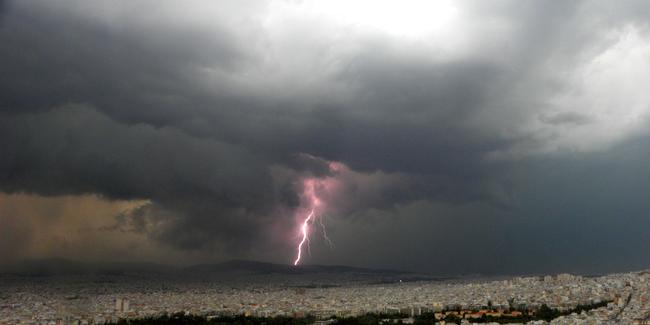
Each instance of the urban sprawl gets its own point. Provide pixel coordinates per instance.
(623, 298)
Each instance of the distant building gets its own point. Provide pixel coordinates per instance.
(122, 305)
(125, 305)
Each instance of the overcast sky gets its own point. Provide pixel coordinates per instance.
(448, 137)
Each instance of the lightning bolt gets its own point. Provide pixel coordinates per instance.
(305, 231)
(327, 239)
(314, 205)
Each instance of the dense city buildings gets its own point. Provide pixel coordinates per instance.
(624, 297)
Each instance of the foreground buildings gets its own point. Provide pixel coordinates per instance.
(99, 299)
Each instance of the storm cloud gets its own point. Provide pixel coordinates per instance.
(511, 119)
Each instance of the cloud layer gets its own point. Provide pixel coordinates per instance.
(214, 114)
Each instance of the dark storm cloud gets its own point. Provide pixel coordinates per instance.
(215, 115)
(310, 164)
(121, 67)
(76, 150)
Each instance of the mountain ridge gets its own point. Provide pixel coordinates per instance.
(62, 266)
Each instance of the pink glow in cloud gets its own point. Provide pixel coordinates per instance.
(340, 191)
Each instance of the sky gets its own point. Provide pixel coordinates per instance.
(449, 137)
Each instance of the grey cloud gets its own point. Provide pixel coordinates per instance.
(216, 124)
(78, 150)
(310, 164)
(121, 65)
(566, 118)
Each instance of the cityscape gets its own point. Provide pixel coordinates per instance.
(621, 298)
(324, 162)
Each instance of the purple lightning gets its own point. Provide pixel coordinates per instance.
(315, 207)
(305, 232)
